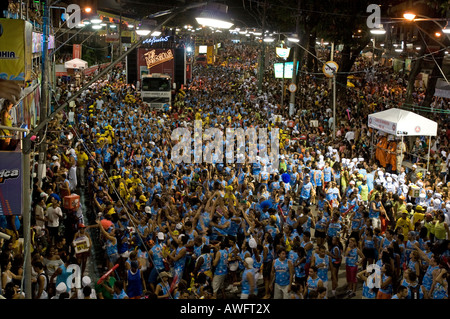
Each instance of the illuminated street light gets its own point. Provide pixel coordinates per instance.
(378, 31)
(215, 15)
(96, 20)
(409, 16)
(293, 38)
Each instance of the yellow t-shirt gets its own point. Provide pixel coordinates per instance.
(405, 225)
(82, 159)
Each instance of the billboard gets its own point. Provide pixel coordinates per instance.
(16, 50)
(288, 70)
(155, 61)
(11, 178)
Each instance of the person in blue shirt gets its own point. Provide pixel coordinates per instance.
(221, 269)
(306, 192)
(282, 275)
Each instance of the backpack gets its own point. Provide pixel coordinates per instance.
(414, 291)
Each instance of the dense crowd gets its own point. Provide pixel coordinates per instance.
(237, 230)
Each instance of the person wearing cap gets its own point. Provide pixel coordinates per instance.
(404, 224)
(418, 216)
(83, 238)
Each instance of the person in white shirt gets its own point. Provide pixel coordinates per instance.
(73, 174)
(53, 214)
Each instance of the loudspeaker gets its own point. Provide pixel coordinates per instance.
(180, 67)
(132, 67)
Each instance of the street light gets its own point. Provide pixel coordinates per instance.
(293, 38)
(96, 20)
(215, 15)
(409, 16)
(377, 31)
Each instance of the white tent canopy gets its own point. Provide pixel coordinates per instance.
(400, 122)
(76, 64)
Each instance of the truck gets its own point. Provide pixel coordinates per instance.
(156, 90)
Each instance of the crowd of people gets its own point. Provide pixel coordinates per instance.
(201, 230)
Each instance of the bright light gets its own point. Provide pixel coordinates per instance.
(445, 30)
(88, 9)
(293, 38)
(96, 26)
(142, 32)
(417, 48)
(209, 22)
(189, 49)
(409, 16)
(96, 20)
(156, 33)
(268, 39)
(103, 24)
(130, 26)
(378, 31)
(438, 34)
(112, 26)
(398, 50)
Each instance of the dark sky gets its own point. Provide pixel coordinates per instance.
(135, 9)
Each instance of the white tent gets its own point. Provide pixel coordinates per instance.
(400, 122)
(76, 64)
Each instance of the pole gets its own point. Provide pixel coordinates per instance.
(26, 202)
(44, 101)
(282, 89)
(429, 148)
(334, 94)
(263, 51)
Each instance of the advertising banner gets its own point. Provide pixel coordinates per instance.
(11, 178)
(155, 61)
(76, 51)
(15, 50)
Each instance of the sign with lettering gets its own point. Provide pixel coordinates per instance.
(16, 50)
(81, 245)
(153, 40)
(152, 59)
(10, 183)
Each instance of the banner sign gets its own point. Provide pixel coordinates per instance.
(11, 178)
(153, 59)
(16, 50)
(76, 51)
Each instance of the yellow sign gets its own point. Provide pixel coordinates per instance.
(16, 50)
(330, 69)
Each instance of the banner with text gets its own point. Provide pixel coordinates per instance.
(11, 178)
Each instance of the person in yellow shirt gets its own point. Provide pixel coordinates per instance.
(82, 159)
(404, 223)
(418, 216)
(135, 179)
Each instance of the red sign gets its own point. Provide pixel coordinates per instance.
(76, 51)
